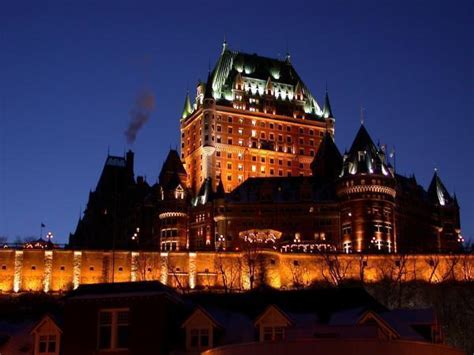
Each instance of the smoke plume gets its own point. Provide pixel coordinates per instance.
(139, 114)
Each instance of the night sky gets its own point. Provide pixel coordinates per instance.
(70, 72)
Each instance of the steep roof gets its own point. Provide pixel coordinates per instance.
(260, 69)
(364, 157)
(437, 192)
(172, 168)
(327, 163)
(327, 111)
(187, 109)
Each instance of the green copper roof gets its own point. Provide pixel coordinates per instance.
(188, 109)
(260, 69)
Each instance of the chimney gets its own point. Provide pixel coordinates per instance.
(129, 162)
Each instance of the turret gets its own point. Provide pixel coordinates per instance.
(445, 211)
(172, 207)
(366, 190)
(187, 110)
(207, 137)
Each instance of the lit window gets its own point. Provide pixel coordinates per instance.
(254, 168)
(113, 329)
(254, 133)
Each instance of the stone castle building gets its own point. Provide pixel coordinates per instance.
(258, 166)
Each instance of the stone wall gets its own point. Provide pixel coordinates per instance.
(32, 270)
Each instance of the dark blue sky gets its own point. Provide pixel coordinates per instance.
(70, 72)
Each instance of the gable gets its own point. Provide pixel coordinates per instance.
(372, 318)
(46, 326)
(273, 316)
(199, 319)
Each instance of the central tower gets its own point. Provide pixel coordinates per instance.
(253, 117)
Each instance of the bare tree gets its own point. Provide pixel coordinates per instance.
(467, 267)
(433, 264)
(228, 269)
(146, 267)
(451, 262)
(176, 274)
(335, 270)
(299, 275)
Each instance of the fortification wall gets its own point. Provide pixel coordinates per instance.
(31, 270)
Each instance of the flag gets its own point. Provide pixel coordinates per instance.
(42, 225)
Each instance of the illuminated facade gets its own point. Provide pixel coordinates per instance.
(254, 117)
(259, 167)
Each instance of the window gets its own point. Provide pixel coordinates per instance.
(113, 329)
(199, 338)
(273, 333)
(47, 344)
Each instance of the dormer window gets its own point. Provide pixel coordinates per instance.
(179, 193)
(273, 333)
(199, 338)
(47, 337)
(361, 155)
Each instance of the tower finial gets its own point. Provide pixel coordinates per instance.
(224, 44)
(362, 117)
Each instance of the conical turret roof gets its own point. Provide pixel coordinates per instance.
(187, 109)
(327, 163)
(438, 192)
(327, 112)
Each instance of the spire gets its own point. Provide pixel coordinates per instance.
(438, 192)
(187, 110)
(224, 44)
(327, 112)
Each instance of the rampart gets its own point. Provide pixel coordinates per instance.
(37, 270)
